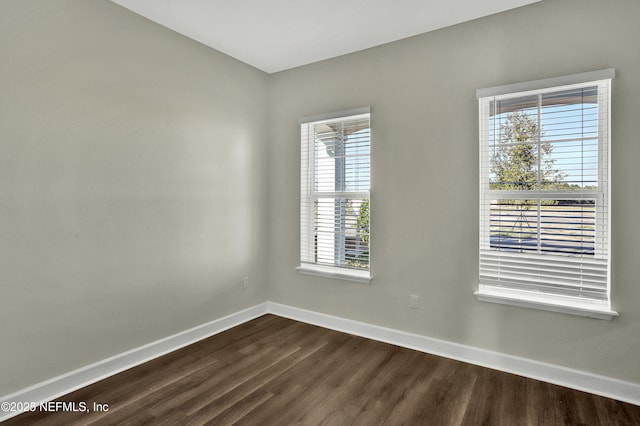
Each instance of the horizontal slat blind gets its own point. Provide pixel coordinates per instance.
(544, 191)
(550, 226)
(580, 277)
(335, 185)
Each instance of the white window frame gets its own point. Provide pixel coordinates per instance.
(490, 289)
(308, 195)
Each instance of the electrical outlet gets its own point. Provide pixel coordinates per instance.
(245, 282)
(414, 301)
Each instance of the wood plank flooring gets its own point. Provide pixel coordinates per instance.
(275, 371)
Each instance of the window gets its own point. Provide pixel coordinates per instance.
(544, 194)
(334, 202)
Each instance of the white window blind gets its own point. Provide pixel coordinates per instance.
(544, 190)
(335, 184)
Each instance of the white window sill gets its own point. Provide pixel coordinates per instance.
(336, 273)
(570, 306)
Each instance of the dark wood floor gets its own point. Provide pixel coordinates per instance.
(275, 371)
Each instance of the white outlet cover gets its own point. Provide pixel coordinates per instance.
(414, 301)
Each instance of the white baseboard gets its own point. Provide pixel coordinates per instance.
(575, 379)
(563, 376)
(76, 379)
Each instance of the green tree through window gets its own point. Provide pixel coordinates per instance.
(518, 156)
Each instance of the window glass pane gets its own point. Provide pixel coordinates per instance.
(569, 132)
(342, 232)
(560, 227)
(545, 142)
(514, 145)
(357, 161)
(342, 159)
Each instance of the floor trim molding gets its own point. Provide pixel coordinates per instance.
(563, 376)
(76, 379)
(571, 378)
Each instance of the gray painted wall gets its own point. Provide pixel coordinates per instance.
(142, 175)
(132, 185)
(425, 179)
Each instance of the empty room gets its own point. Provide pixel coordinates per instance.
(319, 212)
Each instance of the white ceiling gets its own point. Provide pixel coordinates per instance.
(274, 35)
